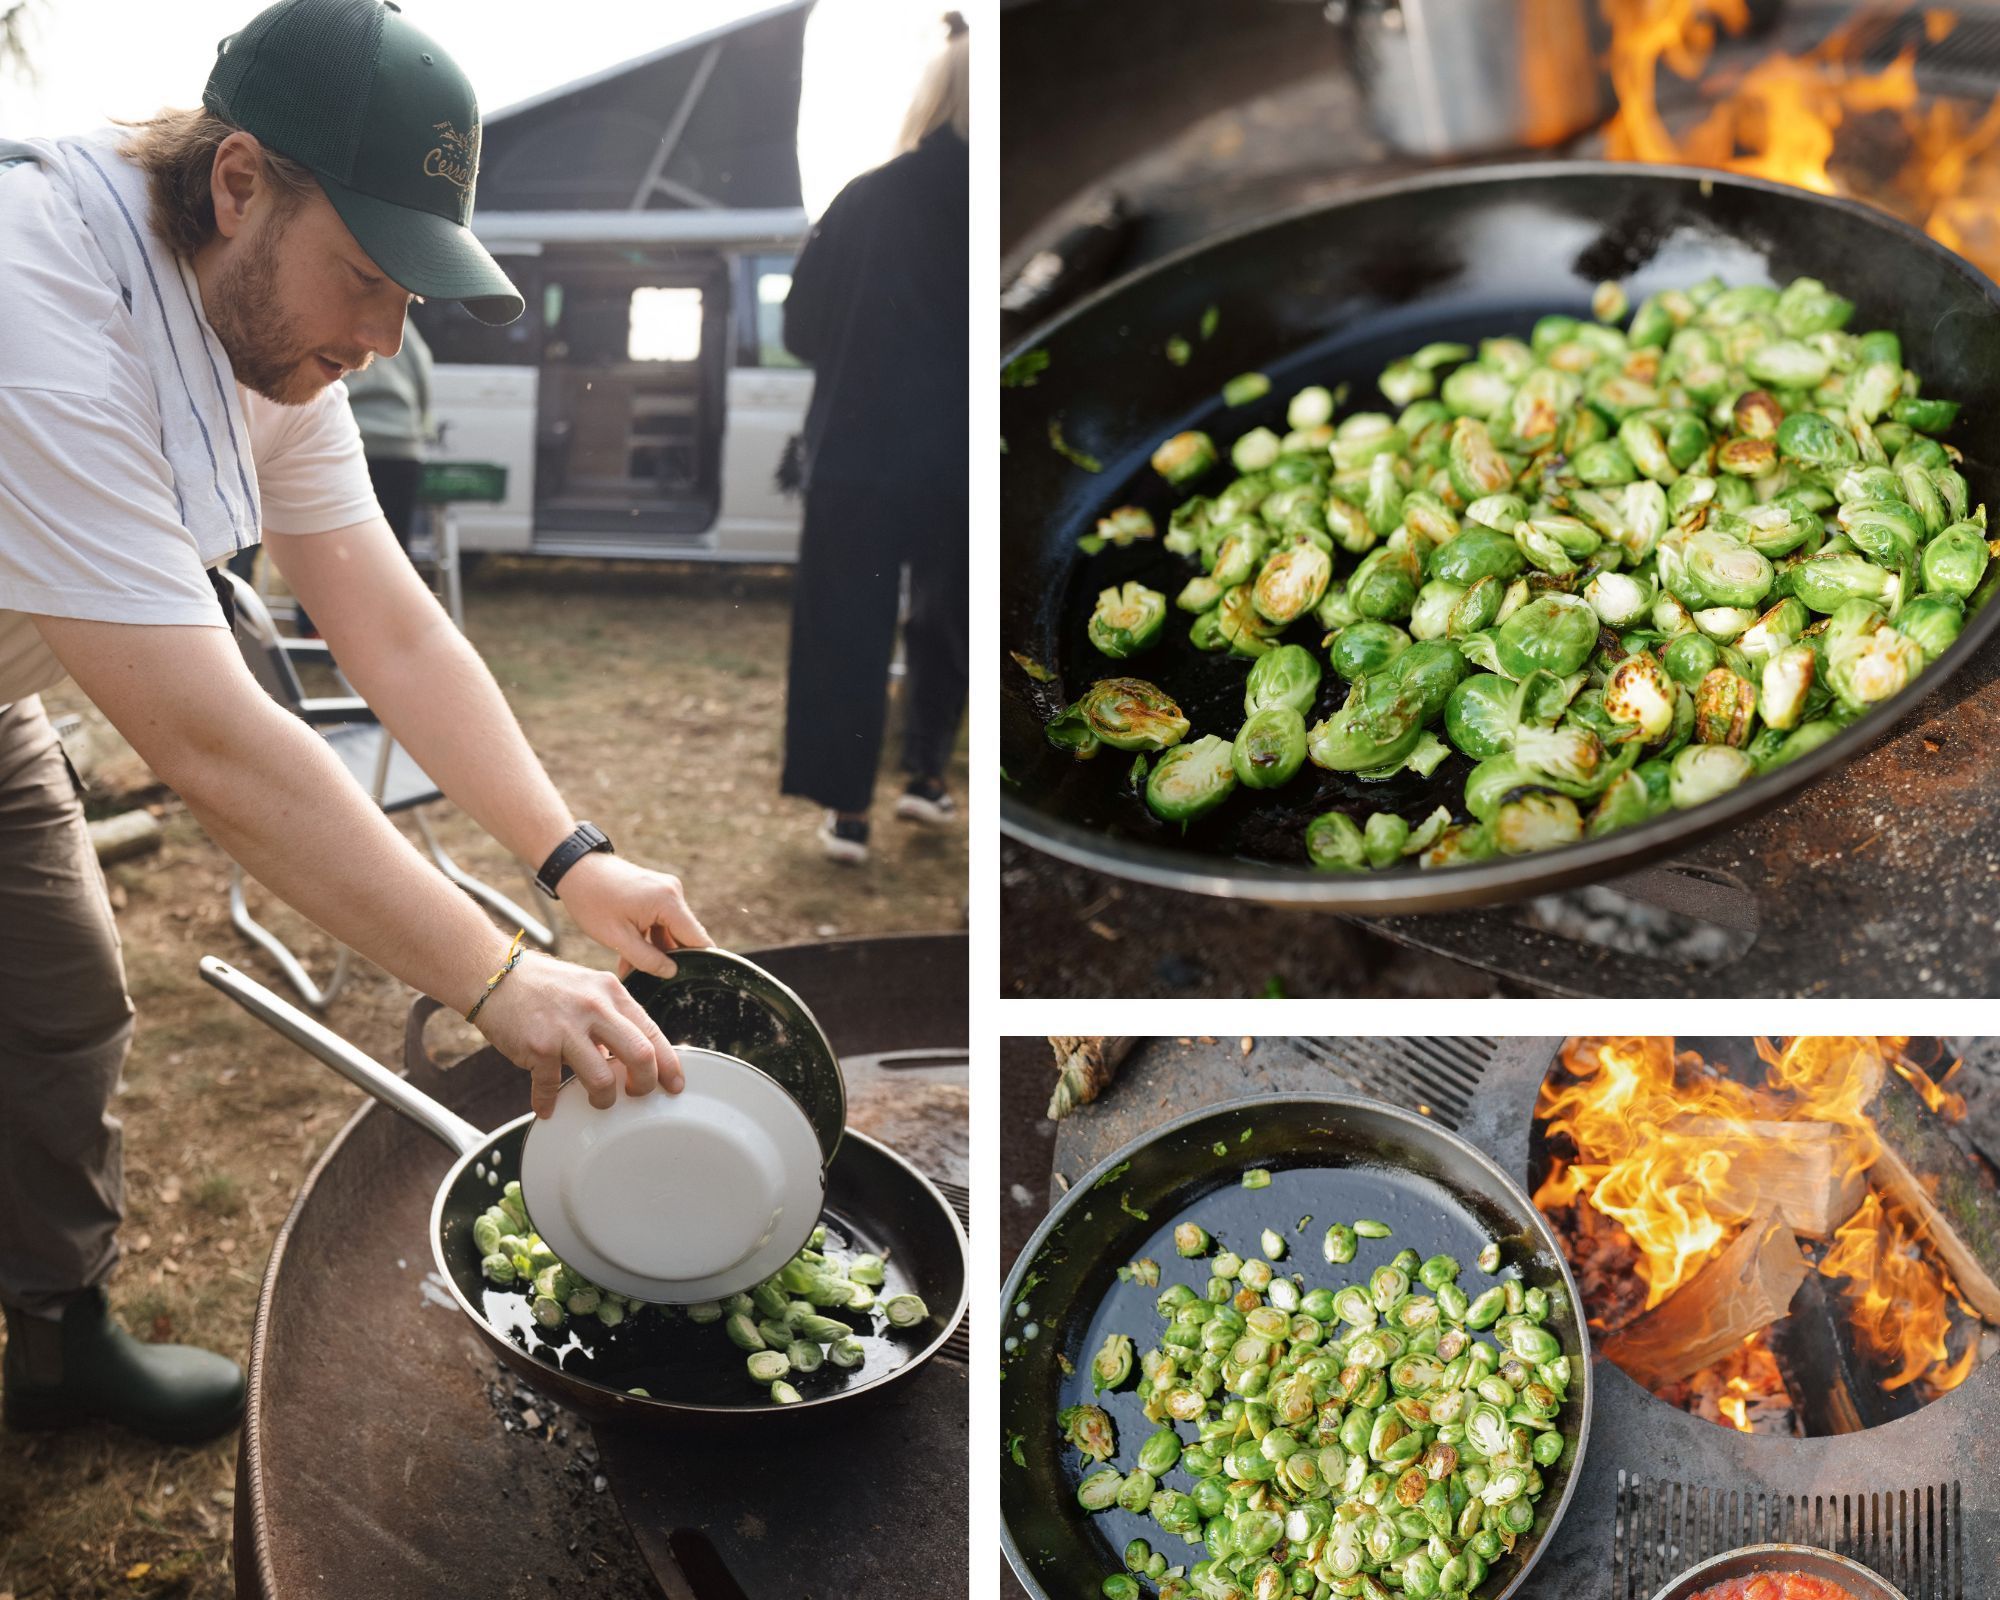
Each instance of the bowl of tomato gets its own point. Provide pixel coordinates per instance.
(1779, 1572)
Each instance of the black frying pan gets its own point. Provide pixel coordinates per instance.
(1332, 1158)
(875, 1201)
(1332, 294)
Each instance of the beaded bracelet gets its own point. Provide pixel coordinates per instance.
(514, 954)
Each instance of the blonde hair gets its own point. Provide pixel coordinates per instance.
(940, 99)
(177, 151)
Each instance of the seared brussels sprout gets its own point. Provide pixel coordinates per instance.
(1130, 714)
(1364, 647)
(1287, 678)
(1191, 780)
(1378, 726)
(1184, 456)
(1112, 1364)
(1269, 748)
(1291, 582)
(1127, 620)
(1955, 560)
(1552, 633)
(1334, 843)
(1700, 772)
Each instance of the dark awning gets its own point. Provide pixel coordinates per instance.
(709, 123)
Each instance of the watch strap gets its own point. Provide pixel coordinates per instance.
(583, 839)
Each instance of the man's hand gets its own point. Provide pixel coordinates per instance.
(637, 914)
(547, 1014)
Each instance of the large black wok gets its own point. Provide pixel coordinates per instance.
(875, 1201)
(1332, 294)
(1332, 1158)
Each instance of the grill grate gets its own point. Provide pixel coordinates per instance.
(1438, 1077)
(959, 1346)
(1913, 1537)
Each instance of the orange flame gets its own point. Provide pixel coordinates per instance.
(1657, 1135)
(1781, 118)
(1900, 1304)
(1665, 1145)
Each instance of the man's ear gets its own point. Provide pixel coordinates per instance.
(235, 182)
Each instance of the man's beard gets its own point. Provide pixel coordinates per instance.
(265, 354)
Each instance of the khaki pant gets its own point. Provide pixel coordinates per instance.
(65, 1025)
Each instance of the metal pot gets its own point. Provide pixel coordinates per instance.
(1752, 1559)
(1448, 78)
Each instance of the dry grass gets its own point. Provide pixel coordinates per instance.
(655, 698)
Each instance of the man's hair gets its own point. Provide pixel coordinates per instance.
(177, 150)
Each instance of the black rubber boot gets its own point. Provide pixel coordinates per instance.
(86, 1368)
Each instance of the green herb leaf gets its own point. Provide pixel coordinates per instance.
(1069, 452)
(1024, 369)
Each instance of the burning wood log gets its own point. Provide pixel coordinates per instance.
(1811, 1172)
(1749, 1286)
(1954, 1203)
(1834, 1385)
(1084, 1069)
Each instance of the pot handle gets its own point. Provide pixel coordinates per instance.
(415, 1052)
(363, 1071)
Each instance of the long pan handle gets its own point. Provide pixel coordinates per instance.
(363, 1071)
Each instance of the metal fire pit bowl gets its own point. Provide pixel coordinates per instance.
(1916, 1501)
(375, 1459)
(1755, 1558)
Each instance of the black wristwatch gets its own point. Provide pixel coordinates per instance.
(586, 838)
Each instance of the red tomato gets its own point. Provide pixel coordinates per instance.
(1776, 1586)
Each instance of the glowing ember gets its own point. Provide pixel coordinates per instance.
(1782, 117)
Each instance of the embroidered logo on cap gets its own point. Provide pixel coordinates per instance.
(455, 158)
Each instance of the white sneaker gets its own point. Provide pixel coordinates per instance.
(920, 805)
(843, 841)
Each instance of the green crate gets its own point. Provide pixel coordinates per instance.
(445, 482)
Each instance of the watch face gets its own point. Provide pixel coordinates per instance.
(721, 1002)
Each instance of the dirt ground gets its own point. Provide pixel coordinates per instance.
(655, 697)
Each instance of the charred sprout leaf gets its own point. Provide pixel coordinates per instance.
(1032, 667)
(1024, 369)
(1069, 452)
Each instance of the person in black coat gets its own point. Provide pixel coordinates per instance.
(878, 309)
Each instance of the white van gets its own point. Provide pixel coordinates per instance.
(650, 215)
(643, 402)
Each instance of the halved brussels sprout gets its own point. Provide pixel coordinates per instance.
(1269, 748)
(1127, 620)
(1289, 677)
(1184, 456)
(1292, 581)
(1191, 780)
(1130, 714)
(1700, 772)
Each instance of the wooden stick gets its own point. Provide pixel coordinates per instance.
(1954, 1204)
(1810, 1171)
(1748, 1287)
(1085, 1067)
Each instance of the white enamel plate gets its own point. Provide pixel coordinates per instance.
(675, 1198)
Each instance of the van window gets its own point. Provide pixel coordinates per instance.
(665, 325)
(761, 336)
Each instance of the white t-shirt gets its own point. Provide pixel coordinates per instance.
(88, 525)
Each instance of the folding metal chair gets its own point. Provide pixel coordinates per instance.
(386, 771)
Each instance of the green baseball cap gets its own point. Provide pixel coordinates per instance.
(387, 123)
